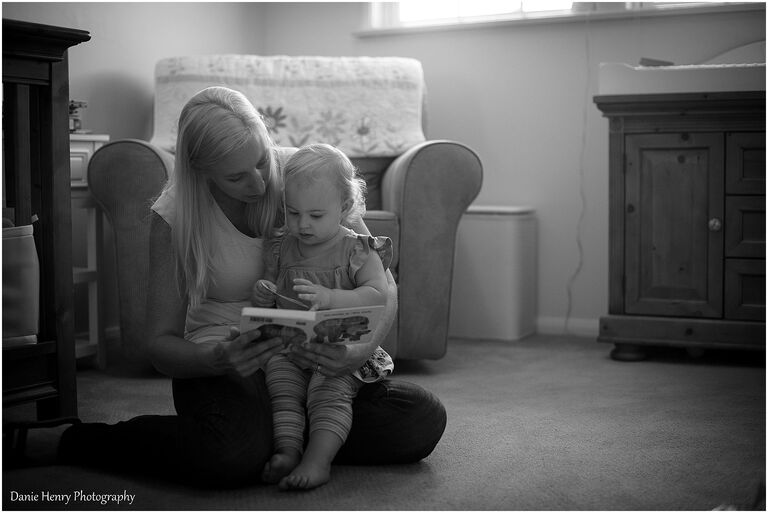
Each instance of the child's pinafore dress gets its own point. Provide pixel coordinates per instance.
(334, 269)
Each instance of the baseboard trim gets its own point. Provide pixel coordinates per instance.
(579, 327)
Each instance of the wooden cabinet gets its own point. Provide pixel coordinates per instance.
(37, 183)
(687, 221)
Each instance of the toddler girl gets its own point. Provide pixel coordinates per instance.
(323, 264)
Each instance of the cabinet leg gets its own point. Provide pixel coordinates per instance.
(628, 353)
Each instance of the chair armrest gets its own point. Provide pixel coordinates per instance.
(124, 177)
(130, 158)
(428, 187)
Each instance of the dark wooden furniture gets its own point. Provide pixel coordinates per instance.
(687, 221)
(37, 182)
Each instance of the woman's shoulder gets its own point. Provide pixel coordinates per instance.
(164, 204)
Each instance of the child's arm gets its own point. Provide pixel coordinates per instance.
(371, 288)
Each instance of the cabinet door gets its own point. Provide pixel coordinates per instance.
(673, 224)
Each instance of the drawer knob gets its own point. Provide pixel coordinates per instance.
(715, 224)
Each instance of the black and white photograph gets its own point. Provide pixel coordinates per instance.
(555, 210)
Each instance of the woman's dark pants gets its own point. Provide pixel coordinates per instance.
(222, 435)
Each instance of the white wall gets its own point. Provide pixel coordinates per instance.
(114, 71)
(515, 94)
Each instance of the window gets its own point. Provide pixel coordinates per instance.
(409, 14)
(461, 10)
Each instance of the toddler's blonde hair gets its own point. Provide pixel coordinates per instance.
(320, 161)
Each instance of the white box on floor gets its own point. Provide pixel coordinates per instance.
(494, 291)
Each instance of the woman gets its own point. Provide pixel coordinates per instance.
(207, 231)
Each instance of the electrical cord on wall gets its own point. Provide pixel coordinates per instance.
(582, 194)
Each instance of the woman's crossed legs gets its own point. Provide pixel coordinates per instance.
(222, 435)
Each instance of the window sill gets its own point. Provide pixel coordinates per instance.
(548, 18)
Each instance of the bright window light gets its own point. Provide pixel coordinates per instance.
(546, 5)
(415, 11)
(418, 13)
(422, 11)
(487, 8)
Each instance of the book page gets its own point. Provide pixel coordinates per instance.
(342, 325)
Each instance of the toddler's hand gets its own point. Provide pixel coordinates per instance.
(261, 295)
(320, 297)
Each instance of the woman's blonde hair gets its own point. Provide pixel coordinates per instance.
(315, 162)
(214, 123)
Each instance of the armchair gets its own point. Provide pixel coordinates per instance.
(417, 192)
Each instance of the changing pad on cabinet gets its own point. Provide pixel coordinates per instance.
(738, 69)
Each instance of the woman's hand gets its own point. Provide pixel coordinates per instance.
(329, 359)
(320, 297)
(241, 355)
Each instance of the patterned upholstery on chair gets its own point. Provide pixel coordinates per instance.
(365, 106)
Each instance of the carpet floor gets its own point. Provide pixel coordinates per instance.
(545, 423)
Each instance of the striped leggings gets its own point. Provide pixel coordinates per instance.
(328, 402)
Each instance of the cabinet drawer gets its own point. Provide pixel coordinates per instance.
(745, 166)
(79, 154)
(745, 226)
(78, 166)
(745, 289)
(81, 149)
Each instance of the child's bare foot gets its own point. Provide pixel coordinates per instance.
(279, 466)
(315, 467)
(309, 474)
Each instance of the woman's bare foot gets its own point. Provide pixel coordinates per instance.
(308, 475)
(280, 465)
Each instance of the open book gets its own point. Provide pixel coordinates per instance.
(347, 325)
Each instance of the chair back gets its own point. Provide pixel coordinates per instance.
(365, 106)
(124, 180)
(372, 108)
